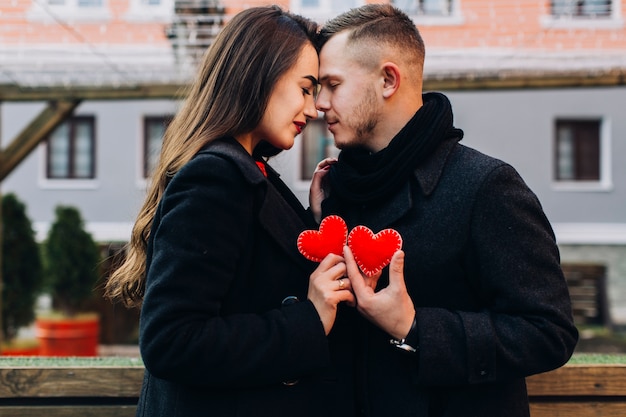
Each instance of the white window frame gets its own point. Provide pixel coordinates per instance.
(40, 11)
(615, 21)
(139, 11)
(455, 17)
(320, 14)
(605, 183)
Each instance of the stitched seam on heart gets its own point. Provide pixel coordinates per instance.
(365, 231)
(326, 222)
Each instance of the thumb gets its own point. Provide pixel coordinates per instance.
(396, 270)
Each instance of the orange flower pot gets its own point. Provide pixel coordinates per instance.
(68, 336)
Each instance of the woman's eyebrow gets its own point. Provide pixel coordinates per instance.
(312, 78)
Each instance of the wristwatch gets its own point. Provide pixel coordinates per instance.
(411, 342)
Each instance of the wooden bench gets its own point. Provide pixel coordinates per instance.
(68, 390)
(85, 390)
(579, 391)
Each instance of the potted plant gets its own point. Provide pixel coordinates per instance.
(21, 276)
(71, 267)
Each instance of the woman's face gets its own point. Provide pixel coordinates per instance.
(291, 103)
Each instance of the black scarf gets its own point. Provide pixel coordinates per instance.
(361, 177)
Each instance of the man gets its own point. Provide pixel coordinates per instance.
(476, 300)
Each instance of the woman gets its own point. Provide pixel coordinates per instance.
(231, 324)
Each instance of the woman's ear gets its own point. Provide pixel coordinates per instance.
(391, 78)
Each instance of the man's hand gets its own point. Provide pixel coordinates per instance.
(318, 192)
(391, 308)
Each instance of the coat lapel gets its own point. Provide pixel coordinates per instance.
(282, 223)
(376, 218)
(276, 216)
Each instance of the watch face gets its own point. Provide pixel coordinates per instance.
(401, 344)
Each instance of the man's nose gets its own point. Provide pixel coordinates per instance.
(321, 103)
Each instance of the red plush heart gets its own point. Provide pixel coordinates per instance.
(372, 252)
(331, 238)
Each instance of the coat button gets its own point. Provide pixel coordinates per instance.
(289, 300)
(290, 383)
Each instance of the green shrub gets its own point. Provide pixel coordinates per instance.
(71, 261)
(21, 267)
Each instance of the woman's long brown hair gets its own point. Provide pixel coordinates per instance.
(228, 98)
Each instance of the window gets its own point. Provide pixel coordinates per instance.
(578, 150)
(317, 144)
(75, 4)
(153, 10)
(50, 10)
(322, 10)
(583, 14)
(425, 7)
(154, 129)
(71, 150)
(581, 8)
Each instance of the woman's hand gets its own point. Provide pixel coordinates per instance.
(328, 286)
(318, 190)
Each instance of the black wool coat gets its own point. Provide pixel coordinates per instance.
(482, 268)
(215, 336)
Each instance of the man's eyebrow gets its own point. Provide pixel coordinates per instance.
(325, 78)
(312, 78)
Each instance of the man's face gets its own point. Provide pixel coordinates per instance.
(348, 95)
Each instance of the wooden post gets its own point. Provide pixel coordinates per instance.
(1, 233)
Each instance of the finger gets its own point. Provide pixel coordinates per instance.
(330, 261)
(326, 163)
(348, 297)
(344, 283)
(396, 270)
(354, 273)
(372, 281)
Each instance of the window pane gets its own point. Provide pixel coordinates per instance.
(425, 7)
(596, 8)
(577, 150)
(153, 139)
(588, 152)
(317, 144)
(83, 150)
(435, 7)
(581, 8)
(563, 7)
(89, 3)
(59, 152)
(565, 154)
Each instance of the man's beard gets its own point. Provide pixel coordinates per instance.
(363, 121)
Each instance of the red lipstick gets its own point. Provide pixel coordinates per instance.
(299, 126)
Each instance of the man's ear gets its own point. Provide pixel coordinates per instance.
(391, 78)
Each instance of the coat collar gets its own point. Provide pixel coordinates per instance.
(429, 173)
(380, 216)
(229, 148)
(276, 215)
